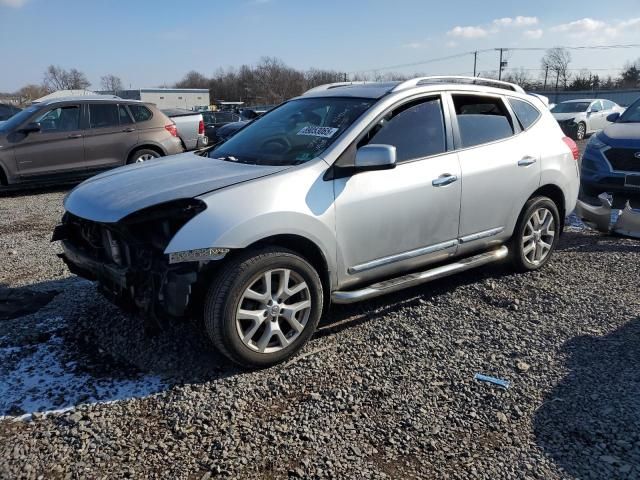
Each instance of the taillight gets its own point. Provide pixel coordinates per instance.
(573, 147)
(201, 128)
(171, 128)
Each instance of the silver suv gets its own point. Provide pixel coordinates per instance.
(348, 192)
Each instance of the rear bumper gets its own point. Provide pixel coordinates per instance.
(173, 146)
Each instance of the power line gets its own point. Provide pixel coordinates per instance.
(576, 69)
(503, 49)
(415, 64)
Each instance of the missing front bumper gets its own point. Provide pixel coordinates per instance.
(606, 219)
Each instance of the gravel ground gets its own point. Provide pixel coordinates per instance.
(384, 390)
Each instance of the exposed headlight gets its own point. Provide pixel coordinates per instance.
(198, 255)
(596, 143)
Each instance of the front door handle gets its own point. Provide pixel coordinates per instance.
(75, 135)
(526, 161)
(129, 130)
(444, 180)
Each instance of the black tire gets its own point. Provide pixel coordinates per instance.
(581, 131)
(144, 152)
(519, 258)
(223, 298)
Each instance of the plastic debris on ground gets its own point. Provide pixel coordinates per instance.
(494, 380)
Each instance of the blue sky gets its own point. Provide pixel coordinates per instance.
(149, 43)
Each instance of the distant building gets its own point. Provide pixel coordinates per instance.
(188, 98)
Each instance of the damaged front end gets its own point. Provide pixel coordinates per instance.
(127, 258)
(607, 219)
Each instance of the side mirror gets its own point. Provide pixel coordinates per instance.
(613, 117)
(31, 128)
(376, 157)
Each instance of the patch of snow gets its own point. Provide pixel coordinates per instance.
(42, 378)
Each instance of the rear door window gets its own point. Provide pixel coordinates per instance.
(123, 114)
(61, 119)
(103, 115)
(415, 129)
(482, 119)
(140, 113)
(526, 113)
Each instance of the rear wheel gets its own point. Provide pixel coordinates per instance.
(143, 155)
(536, 235)
(263, 307)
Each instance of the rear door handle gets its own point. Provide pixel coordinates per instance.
(75, 135)
(526, 161)
(444, 180)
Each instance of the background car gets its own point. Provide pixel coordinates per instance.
(7, 111)
(227, 131)
(73, 137)
(214, 120)
(579, 118)
(611, 161)
(190, 125)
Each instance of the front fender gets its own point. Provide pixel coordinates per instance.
(295, 202)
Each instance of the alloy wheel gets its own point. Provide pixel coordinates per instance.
(581, 131)
(538, 236)
(144, 157)
(273, 310)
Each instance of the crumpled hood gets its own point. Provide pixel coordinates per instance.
(111, 196)
(621, 135)
(565, 116)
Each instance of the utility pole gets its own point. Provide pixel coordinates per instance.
(475, 62)
(503, 63)
(546, 74)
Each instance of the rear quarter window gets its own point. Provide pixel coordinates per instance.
(526, 113)
(140, 113)
(482, 119)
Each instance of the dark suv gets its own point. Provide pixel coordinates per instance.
(68, 138)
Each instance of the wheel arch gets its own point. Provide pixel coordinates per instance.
(146, 146)
(307, 249)
(556, 194)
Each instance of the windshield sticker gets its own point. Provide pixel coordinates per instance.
(324, 132)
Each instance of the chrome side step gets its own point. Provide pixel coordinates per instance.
(412, 279)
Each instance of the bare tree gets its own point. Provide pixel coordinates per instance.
(31, 92)
(57, 78)
(111, 83)
(520, 77)
(193, 79)
(557, 60)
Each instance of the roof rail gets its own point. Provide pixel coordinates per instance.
(329, 86)
(487, 82)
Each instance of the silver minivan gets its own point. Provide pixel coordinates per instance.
(348, 192)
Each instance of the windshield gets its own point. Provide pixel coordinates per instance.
(293, 133)
(631, 114)
(18, 118)
(571, 107)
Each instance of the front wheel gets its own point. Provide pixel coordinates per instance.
(263, 307)
(536, 235)
(581, 132)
